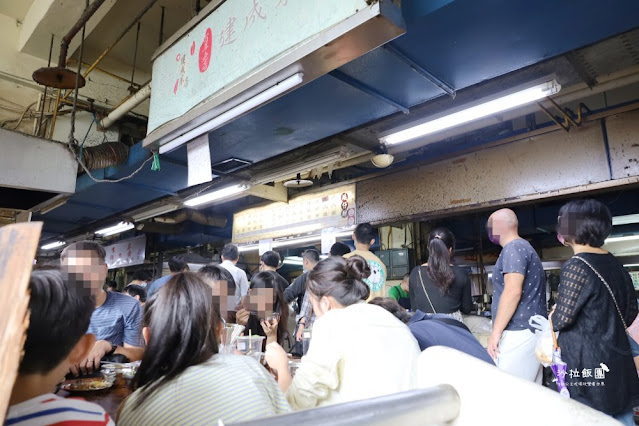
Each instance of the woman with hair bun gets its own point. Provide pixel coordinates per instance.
(438, 287)
(357, 350)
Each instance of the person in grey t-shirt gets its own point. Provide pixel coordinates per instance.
(117, 318)
(519, 292)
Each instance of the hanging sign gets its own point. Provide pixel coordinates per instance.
(332, 208)
(126, 253)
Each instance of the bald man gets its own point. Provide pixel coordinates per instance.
(519, 286)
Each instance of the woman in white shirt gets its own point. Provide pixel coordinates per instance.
(357, 350)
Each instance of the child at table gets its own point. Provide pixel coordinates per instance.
(60, 315)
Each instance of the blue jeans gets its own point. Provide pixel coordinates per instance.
(627, 418)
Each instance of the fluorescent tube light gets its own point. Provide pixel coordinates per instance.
(216, 195)
(625, 220)
(116, 229)
(293, 262)
(248, 247)
(631, 265)
(53, 245)
(296, 241)
(233, 113)
(157, 211)
(473, 113)
(619, 239)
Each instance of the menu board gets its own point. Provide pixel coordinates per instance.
(332, 208)
(126, 253)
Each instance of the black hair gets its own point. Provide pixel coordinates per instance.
(183, 325)
(142, 275)
(391, 306)
(217, 273)
(440, 242)
(406, 275)
(135, 290)
(60, 314)
(112, 284)
(364, 233)
(586, 222)
(339, 249)
(92, 246)
(268, 279)
(340, 278)
(230, 252)
(311, 255)
(271, 258)
(178, 264)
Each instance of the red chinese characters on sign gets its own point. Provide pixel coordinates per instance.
(227, 35)
(205, 50)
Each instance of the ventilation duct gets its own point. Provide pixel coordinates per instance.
(105, 155)
(193, 216)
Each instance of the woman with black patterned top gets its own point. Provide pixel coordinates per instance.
(593, 340)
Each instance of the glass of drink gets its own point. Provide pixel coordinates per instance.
(306, 340)
(249, 345)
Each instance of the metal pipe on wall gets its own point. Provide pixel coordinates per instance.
(126, 106)
(64, 44)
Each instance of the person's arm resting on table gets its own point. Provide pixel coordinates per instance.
(513, 287)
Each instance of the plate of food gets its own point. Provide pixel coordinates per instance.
(85, 385)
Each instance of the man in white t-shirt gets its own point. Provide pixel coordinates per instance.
(230, 256)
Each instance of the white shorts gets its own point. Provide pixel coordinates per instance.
(517, 355)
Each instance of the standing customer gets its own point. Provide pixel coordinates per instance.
(230, 256)
(364, 238)
(116, 318)
(177, 264)
(357, 351)
(596, 302)
(438, 287)
(270, 261)
(519, 292)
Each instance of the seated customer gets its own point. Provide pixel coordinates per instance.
(182, 378)
(436, 330)
(116, 319)
(223, 285)
(357, 351)
(264, 299)
(56, 338)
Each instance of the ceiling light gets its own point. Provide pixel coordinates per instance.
(233, 113)
(157, 211)
(216, 195)
(294, 241)
(53, 205)
(629, 265)
(53, 245)
(294, 262)
(619, 239)
(248, 247)
(116, 229)
(473, 113)
(625, 220)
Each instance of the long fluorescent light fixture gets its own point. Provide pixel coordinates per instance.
(53, 245)
(473, 113)
(116, 229)
(625, 220)
(153, 212)
(216, 195)
(248, 247)
(620, 239)
(233, 113)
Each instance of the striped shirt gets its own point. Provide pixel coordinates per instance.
(118, 320)
(227, 387)
(50, 409)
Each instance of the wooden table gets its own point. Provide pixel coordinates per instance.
(109, 399)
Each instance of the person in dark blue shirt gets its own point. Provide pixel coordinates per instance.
(436, 330)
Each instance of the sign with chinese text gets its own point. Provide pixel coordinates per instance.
(237, 38)
(126, 253)
(332, 208)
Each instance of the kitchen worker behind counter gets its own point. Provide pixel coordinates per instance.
(399, 293)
